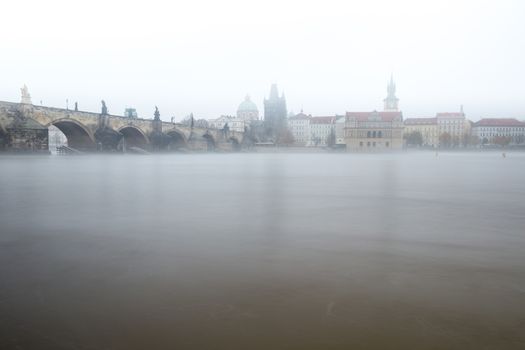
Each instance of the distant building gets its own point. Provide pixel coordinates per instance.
(370, 131)
(130, 113)
(275, 113)
(321, 128)
(313, 131)
(56, 138)
(391, 101)
(234, 124)
(455, 124)
(247, 110)
(427, 127)
(340, 130)
(488, 128)
(373, 131)
(299, 126)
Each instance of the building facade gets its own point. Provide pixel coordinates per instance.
(299, 126)
(321, 130)
(340, 121)
(488, 128)
(373, 131)
(234, 124)
(427, 127)
(454, 124)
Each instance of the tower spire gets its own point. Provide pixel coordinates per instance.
(391, 101)
(274, 93)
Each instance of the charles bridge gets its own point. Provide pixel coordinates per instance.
(24, 127)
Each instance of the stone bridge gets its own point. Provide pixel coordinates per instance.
(24, 126)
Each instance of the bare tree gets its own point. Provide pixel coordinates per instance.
(502, 141)
(445, 140)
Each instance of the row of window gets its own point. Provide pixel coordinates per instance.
(503, 129)
(374, 134)
(451, 122)
(373, 144)
(492, 134)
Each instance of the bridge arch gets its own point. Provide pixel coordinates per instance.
(177, 140)
(133, 137)
(210, 141)
(78, 135)
(3, 137)
(236, 145)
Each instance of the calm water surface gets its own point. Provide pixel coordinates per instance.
(263, 251)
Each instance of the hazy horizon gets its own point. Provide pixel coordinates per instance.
(204, 57)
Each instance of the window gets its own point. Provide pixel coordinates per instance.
(368, 134)
(374, 136)
(368, 144)
(361, 144)
(387, 144)
(379, 134)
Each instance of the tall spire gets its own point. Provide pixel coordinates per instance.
(391, 88)
(391, 101)
(274, 93)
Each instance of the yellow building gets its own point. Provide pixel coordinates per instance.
(428, 127)
(373, 131)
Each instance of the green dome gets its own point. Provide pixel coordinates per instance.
(247, 106)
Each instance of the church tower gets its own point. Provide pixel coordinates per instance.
(391, 101)
(275, 112)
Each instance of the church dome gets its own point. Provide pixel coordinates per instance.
(247, 106)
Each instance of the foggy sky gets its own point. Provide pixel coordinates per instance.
(204, 56)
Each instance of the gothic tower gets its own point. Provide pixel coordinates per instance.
(275, 113)
(391, 101)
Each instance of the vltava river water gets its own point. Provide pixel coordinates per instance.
(263, 251)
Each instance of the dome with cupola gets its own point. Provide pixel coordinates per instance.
(247, 110)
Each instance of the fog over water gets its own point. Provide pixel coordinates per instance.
(263, 251)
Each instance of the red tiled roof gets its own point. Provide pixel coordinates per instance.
(322, 120)
(451, 115)
(420, 121)
(499, 122)
(364, 116)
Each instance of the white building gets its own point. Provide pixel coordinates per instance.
(340, 130)
(299, 126)
(455, 124)
(234, 124)
(313, 131)
(321, 128)
(488, 128)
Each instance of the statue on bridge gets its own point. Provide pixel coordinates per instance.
(26, 97)
(225, 130)
(157, 113)
(104, 108)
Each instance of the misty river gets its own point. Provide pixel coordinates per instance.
(263, 251)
